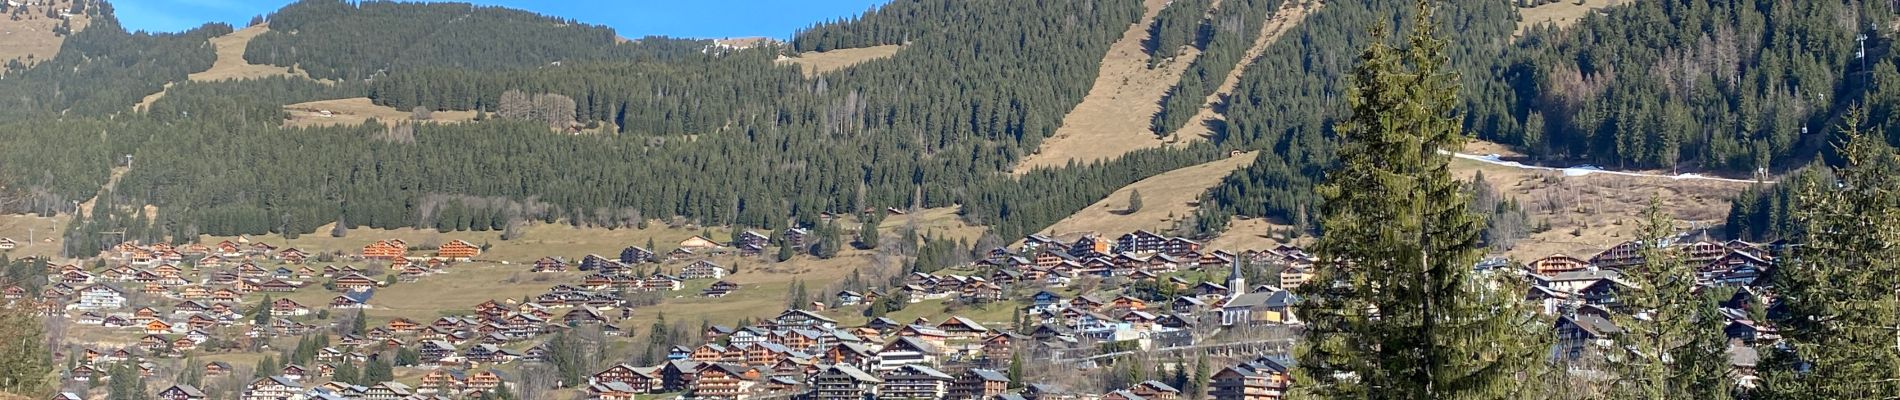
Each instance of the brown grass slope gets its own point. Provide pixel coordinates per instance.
(1113, 119)
(814, 63)
(1562, 14)
(32, 36)
(1165, 198)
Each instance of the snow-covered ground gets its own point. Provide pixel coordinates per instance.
(1587, 169)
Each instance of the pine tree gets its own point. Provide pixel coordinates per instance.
(261, 314)
(407, 356)
(23, 350)
(1673, 335)
(1016, 370)
(1395, 312)
(347, 372)
(501, 392)
(1196, 387)
(867, 233)
(378, 371)
(1134, 200)
(1841, 312)
(266, 367)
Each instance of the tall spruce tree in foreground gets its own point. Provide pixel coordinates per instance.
(1396, 311)
(1840, 287)
(1673, 335)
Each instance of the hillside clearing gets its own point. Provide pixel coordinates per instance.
(1590, 213)
(1252, 234)
(1114, 118)
(36, 235)
(231, 64)
(537, 240)
(1166, 198)
(1283, 20)
(355, 111)
(1562, 13)
(32, 38)
(941, 222)
(814, 63)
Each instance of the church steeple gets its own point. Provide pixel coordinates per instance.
(1236, 283)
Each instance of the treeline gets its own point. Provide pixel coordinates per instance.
(696, 95)
(1178, 25)
(103, 69)
(336, 39)
(721, 139)
(52, 163)
(1225, 39)
(1291, 120)
(1766, 213)
(1726, 85)
(250, 103)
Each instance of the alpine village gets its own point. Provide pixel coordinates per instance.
(954, 199)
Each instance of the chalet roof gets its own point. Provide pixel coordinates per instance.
(917, 371)
(1581, 275)
(359, 296)
(853, 372)
(1743, 356)
(1125, 394)
(1160, 387)
(1273, 299)
(1595, 325)
(911, 342)
(960, 320)
(989, 375)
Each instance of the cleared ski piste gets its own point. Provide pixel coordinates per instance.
(1586, 169)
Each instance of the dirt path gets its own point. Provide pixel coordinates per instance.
(1113, 119)
(1290, 14)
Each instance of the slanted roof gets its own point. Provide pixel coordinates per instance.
(854, 373)
(989, 375)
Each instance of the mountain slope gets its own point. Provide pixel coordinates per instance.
(1108, 123)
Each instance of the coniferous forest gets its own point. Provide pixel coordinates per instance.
(577, 125)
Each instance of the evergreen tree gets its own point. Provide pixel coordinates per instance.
(266, 367)
(347, 372)
(407, 356)
(1198, 386)
(867, 233)
(261, 314)
(1395, 312)
(1134, 200)
(500, 392)
(378, 371)
(784, 251)
(1841, 314)
(23, 350)
(1673, 335)
(1016, 370)
(193, 373)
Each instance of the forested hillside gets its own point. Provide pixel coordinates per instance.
(1723, 85)
(1223, 38)
(103, 69)
(718, 138)
(1292, 119)
(580, 127)
(336, 39)
(1728, 86)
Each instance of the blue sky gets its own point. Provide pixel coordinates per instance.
(630, 18)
